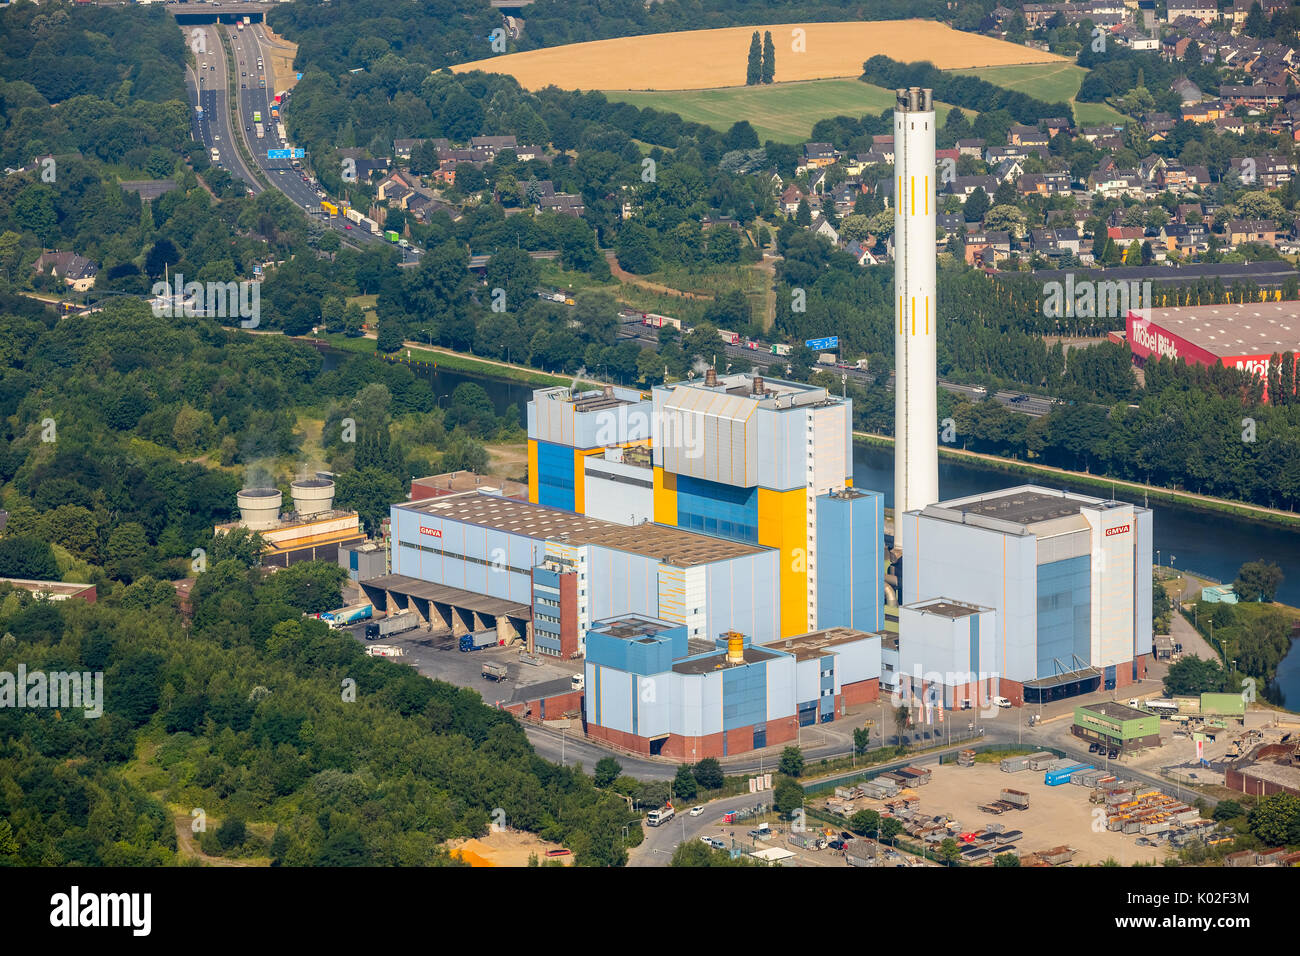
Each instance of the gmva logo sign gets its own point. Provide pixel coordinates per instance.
(432, 532)
(1118, 529)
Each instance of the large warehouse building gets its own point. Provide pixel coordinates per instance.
(477, 560)
(1062, 579)
(653, 689)
(1243, 336)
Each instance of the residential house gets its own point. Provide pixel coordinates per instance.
(970, 147)
(402, 147)
(1269, 172)
(1183, 210)
(1137, 40)
(1205, 11)
(1198, 175)
(1123, 235)
(1183, 238)
(1008, 171)
(566, 204)
(1256, 96)
(987, 247)
(1187, 91)
(1263, 231)
(817, 155)
(963, 186)
(77, 271)
(884, 145)
(951, 222)
(1054, 243)
(1241, 9)
(1230, 124)
(1157, 124)
(859, 252)
(790, 198)
(1203, 112)
(1172, 176)
(397, 189)
(368, 168)
(1044, 184)
(494, 144)
(817, 180)
(1056, 124)
(1026, 136)
(822, 227)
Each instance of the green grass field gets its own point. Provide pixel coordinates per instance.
(1050, 82)
(784, 112)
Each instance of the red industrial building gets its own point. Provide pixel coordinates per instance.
(1244, 336)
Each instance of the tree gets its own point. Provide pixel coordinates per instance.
(1258, 581)
(1006, 859)
(231, 833)
(949, 851)
(684, 784)
(769, 57)
(791, 762)
(127, 555)
(1192, 676)
(1227, 810)
(890, 828)
(787, 797)
(709, 775)
(1275, 820)
(607, 771)
(861, 740)
(977, 204)
(864, 822)
(25, 556)
(901, 716)
(803, 213)
(754, 68)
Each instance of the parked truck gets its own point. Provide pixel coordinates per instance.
(1018, 797)
(478, 640)
(780, 349)
(348, 615)
(390, 235)
(384, 650)
(731, 338)
(392, 624)
(493, 671)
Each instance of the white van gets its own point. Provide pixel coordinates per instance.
(576, 682)
(1001, 702)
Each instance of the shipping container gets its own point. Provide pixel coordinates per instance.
(1014, 764)
(1054, 778)
(1010, 836)
(1041, 760)
(1018, 797)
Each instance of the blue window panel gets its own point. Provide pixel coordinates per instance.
(555, 475)
(974, 643)
(1064, 613)
(710, 507)
(744, 697)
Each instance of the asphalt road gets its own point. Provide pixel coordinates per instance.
(207, 81)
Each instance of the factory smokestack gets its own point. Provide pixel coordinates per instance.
(916, 450)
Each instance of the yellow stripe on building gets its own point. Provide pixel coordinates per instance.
(532, 471)
(665, 497)
(782, 524)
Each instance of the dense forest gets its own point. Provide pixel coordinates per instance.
(967, 91)
(269, 735)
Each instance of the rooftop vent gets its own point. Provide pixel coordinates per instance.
(259, 508)
(312, 496)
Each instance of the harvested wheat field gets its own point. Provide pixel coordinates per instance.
(708, 59)
(505, 848)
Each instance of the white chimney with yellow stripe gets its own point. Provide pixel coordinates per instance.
(916, 451)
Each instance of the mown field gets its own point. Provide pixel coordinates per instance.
(1050, 82)
(784, 112)
(709, 59)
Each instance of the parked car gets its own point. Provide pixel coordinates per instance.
(1113, 754)
(836, 844)
(696, 811)
(1094, 748)
(1001, 702)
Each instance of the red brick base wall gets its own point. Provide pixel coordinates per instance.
(1013, 691)
(1124, 672)
(555, 708)
(859, 692)
(694, 749)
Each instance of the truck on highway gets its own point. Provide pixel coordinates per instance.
(493, 671)
(215, 154)
(354, 215)
(329, 208)
(478, 640)
(392, 624)
(257, 116)
(731, 338)
(239, 25)
(247, 21)
(257, 128)
(780, 349)
(390, 235)
(370, 225)
(348, 615)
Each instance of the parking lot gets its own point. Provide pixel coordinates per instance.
(439, 657)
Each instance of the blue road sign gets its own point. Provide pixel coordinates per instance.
(821, 345)
(299, 154)
(278, 153)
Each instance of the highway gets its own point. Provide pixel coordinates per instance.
(208, 84)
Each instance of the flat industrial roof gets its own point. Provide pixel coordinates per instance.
(718, 661)
(446, 594)
(670, 545)
(945, 607)
(1116, 710)
(818, 643)
(1024, 505)
(1251, 328)
(632, 627)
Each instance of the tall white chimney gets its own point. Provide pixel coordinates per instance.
(916, 449)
